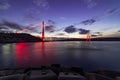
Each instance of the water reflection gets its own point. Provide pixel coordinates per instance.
(34, 55)
(93, 55)
(7, 55)
(23, 54)
(39, 56)
(1, 59)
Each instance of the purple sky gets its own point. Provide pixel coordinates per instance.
(95, 15)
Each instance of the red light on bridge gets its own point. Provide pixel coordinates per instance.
(88, 37)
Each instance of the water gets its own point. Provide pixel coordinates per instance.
(89, 56)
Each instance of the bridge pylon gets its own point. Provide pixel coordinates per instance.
(43, 30)
(88, 39)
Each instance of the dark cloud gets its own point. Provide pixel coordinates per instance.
(93, 35)
(97, 18)
(83, 31)
(12, 25)
(112, 11)
(97, 33)
(51, 22)
(6, 26)
(118, 30)
(93, 20)
(4, 5)
(89, 21)
(70, 29)
(31, 28)
(61, 34)
(3, 26)
(50, 28)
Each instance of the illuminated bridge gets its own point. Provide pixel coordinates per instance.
(88, 38)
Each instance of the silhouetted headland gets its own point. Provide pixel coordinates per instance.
(17, 37)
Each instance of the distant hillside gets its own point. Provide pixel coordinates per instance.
(15, 38)
(106, 39)
(93, 39)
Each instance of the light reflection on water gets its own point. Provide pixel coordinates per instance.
(94, 55)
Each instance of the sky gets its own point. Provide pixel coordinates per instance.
(71, 18)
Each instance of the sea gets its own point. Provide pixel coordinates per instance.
(94, 55)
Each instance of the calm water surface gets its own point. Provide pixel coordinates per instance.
(90, 56)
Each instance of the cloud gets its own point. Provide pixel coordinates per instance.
(30, 28)
(4, 5)
(6, 26)
(97, 18)
(95, 34)
(50, 28)
(114, 35)
(118, 30)
(41, 3)
(31, 13)
(70, 29)
(12, 25)
(38, 8)
(3, 26)
(63, 18)
(51, 22)
(91, 3)
(61, 34)
(88, 21)
(83, 31)
(30, 17)
(111, 11)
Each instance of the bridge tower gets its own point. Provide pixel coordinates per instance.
(88, 39)
(43, 30)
